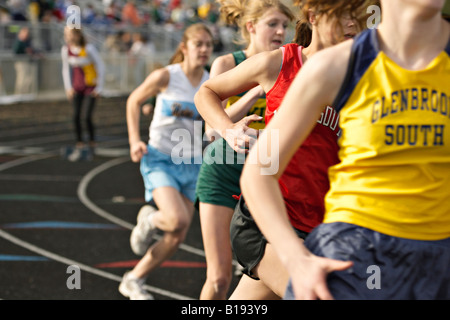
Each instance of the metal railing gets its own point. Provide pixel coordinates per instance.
(43, 78)
(48, 37)
(24, 79)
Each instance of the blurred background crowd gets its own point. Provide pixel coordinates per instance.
(133, 36)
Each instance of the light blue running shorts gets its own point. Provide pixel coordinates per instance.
(158, 170)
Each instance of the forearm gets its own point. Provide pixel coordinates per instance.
(133, 116)
(267, 206)
(210, 107)
(240, 108)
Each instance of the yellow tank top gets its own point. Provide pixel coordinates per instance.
(394, 174)
(258, 108)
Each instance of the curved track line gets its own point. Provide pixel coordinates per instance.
(24, 160)
(67, 261)
(84, 267)
(82, 187)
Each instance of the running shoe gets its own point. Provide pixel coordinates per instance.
(75, 155)
(143, 232)
(133, 288)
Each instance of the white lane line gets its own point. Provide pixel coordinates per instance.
(18, 162)
(82, 187)
(48, 254)
(39, 177)
(84, 267)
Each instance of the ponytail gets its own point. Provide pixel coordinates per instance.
(334, 10)
(303, 33)
(231, 11)
(178, 56)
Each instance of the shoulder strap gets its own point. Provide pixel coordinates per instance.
(363, 52)
(447, 49)
(239, 56)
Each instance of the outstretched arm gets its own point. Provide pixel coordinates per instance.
(260, 69)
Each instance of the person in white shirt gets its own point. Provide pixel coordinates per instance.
(83, 76)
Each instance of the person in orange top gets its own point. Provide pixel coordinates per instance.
(130, 14)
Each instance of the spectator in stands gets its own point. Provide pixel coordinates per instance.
(114, 43)
(26, 64)
(112, 11)
(88, 14)
(130, 14)
(5, 17)
(83, 74)
(33, 11)
(140, 53)
(18, 10)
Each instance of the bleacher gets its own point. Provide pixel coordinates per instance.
(164, 30)
(121, 74)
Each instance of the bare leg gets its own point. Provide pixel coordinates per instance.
(174, 218)
(272, 272)
(215, 222)
(273, 279)
(251, 289)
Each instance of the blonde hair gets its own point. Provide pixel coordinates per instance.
(239, 12)
(334, 10)
(193, 29)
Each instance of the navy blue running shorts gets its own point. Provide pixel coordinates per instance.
(385, 267)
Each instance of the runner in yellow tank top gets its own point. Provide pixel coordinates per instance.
(388, 208)
(394, 148)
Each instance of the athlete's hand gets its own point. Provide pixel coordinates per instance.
(137, 150)
(309, 277)
(70, 93)
(241, 137)
(95, 93)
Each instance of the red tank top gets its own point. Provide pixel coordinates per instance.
(305, 182)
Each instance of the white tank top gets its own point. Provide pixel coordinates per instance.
(176, 128)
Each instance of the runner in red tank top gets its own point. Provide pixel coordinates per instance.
(305, 182)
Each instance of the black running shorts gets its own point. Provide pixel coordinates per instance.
(247, 241)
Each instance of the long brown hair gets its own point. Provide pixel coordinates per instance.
(178, 56)
(239, 12)
(332, 9)
(79, 38)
